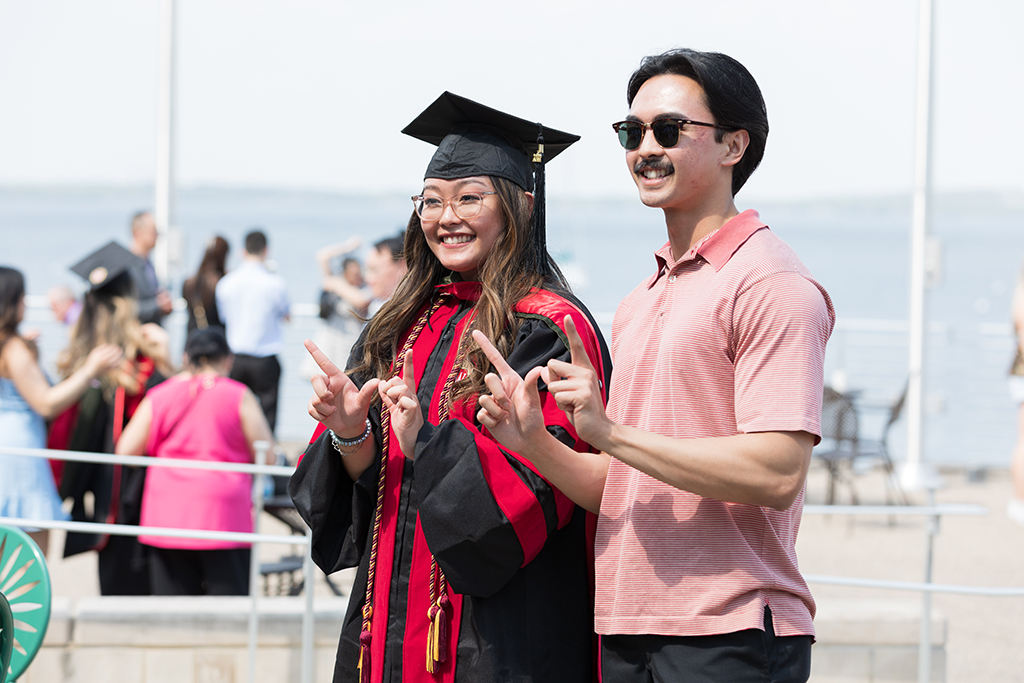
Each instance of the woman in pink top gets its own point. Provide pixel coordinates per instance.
(199, 414)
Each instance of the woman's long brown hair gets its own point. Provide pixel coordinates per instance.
(109, 319)
(506, 277)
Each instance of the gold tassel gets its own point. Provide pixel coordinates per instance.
(431, 641)
(440, 633)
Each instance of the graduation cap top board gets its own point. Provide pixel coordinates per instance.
(474, 139)
(109, 265)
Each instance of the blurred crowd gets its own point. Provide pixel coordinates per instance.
(117, 389)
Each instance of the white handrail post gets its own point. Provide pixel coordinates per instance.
(261, 448)
(924, 647)
(308, 577)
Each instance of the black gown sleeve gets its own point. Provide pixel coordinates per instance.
(485, 512)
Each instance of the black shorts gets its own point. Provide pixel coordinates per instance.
(751, 656)
(199, 572)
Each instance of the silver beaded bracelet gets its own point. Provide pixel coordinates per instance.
(350, 444)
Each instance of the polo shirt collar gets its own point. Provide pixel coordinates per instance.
(720, 245)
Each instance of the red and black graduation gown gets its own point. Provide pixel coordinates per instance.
(515, 551)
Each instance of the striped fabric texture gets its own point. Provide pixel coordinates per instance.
(728, 339)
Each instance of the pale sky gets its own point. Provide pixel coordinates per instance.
(314, 94)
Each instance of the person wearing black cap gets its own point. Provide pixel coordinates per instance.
(109, 316)
(471, 567)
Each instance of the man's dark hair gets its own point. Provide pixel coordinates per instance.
(396, 245)
(255, 242)
(730, 93)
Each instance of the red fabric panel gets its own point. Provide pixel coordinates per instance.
(414, 644)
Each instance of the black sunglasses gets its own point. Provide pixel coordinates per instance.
(666, 131)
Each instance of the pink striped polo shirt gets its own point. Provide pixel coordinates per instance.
(728, 339)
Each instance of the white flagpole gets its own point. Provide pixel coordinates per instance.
(163, 207)
(916, 474)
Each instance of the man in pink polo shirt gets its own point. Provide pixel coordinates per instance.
(714, 403)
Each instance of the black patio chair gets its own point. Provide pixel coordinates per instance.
(284, 577)
(842, 447)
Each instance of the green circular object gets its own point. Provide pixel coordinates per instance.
(6, 637)
(25, 584)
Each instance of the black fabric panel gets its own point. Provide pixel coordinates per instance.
(549, 602)
(473, 541)
(465, 529)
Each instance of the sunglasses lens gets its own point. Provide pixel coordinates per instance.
(666, 133)
(630, 134)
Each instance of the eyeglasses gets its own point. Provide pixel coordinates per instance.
(666, 131)
(466, 205)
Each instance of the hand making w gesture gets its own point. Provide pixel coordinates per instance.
(577, 390)
(399, 397)
(337, 402)
(513, 413)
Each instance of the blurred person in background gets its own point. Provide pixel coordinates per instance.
(154, 302)
(252, 302)
(27, 401)
(65, 305)
(199, 414)
(1015, 508)
(199, 291)
(344, 302)
(385, 268)
(95, 422)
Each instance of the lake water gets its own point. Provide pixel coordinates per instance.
(859, 250)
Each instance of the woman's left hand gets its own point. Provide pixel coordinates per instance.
(399, 396)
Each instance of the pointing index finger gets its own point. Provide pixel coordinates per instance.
(493, 355)
(409, 372)
(577, 351)
(321, 359)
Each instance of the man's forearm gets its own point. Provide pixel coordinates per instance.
(766, 468)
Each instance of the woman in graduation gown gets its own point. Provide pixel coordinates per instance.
(94, 424)
(471, 567)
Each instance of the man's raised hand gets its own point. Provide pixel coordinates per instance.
(577, 389)
(337, 402)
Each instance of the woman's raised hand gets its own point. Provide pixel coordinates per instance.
(399, 397)
(103, 358)
(512, 412)
(337, 402)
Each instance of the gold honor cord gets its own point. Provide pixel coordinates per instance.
(385, 420)
(437, 636)
(437, 633)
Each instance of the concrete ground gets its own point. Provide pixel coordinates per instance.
(985, 635)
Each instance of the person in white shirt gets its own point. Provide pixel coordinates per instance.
(252, 303)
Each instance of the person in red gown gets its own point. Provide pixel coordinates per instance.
(471, 566)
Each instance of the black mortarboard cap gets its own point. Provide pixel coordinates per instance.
(106, 266)
(473, 139)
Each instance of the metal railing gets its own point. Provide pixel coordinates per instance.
(255, 538)
(933, 514)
